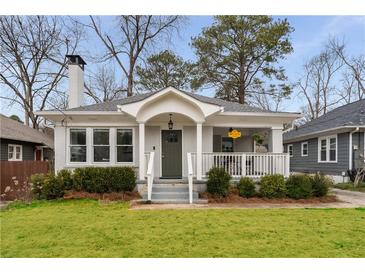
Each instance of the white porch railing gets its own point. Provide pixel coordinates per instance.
(248, 164)
(190, 177)
(150, 173)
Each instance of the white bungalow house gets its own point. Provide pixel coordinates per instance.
(167, 135)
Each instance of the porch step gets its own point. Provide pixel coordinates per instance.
(178, 201)
(171, 193)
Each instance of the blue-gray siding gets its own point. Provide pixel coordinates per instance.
(28, 149)
(309, 164)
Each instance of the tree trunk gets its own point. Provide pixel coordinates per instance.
(130, 85)
(241, 94)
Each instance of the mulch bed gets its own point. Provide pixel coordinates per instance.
(234, 198)
(113, 196)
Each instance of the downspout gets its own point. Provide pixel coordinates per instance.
(350, 147)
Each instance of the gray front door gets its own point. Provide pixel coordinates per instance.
(171, 154)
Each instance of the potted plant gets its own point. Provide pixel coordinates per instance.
(258, 138)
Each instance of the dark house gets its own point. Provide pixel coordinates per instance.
(331, 144)
(20, 142)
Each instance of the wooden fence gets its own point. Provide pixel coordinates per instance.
(14, 175)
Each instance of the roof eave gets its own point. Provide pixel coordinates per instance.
(319, 132)
(294, 115)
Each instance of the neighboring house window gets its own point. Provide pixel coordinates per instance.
(327, 149)
(15, 152)
(305, 149)
(290, 150)
(101, 145)
(124, 145)
(227, 144)
(77, 145)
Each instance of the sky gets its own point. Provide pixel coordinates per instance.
(308, 39)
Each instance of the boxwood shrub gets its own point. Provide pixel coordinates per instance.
(218, 181)
(104, 179)
(299, 186)
(320, 185)
(246, 187)
(273, 186)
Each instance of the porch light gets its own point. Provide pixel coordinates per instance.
(170, 123)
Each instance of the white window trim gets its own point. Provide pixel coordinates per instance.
(327, 138)
(92, 146)
(14, 153)
(301, 149)
(133, 146)
(292, 149)
(69, 162)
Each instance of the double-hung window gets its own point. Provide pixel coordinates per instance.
(14, 152)
(124, 145)
(77, 145)
(305, 149)
(327, 149)
(290, 150)
(101, 145)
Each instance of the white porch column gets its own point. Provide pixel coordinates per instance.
(199, 149)
(141, 136)
(276, 140)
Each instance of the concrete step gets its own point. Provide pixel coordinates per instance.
(171, 195)
(159, 188)
(177, 201)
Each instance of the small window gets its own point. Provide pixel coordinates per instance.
(327, 149)
(77, 145)
(290, 150)
(332, 150)
(15, 152)
(124, 145)
(227, 144)
(305, 149)
(101, 145)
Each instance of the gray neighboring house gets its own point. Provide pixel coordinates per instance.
(331, 144)
(19, 142)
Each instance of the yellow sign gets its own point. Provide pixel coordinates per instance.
(234, 134)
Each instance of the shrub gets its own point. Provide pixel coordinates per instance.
(320, 185)
(104, 179)
(124, 179)
(47, 186)
(273, 186)
(299, 186)
(37, 181)
(218, 181)
(65, 177)
(246, 187)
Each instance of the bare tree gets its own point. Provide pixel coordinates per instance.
(32, 61)
(317, 83)
(356, 65)
(351, 90)
(136, 34)
(103, 86)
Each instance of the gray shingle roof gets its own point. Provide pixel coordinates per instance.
(14, 130)
(112, 106)
(345, 116)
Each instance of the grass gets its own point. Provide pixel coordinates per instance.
(86, 228)
(350, 186)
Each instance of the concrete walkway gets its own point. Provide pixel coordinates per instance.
(355, 198)
(347, 199)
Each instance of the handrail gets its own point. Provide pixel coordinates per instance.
(190, 177)
(248, 164)
(149, 175)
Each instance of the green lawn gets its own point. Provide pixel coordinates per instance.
(85, 228)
